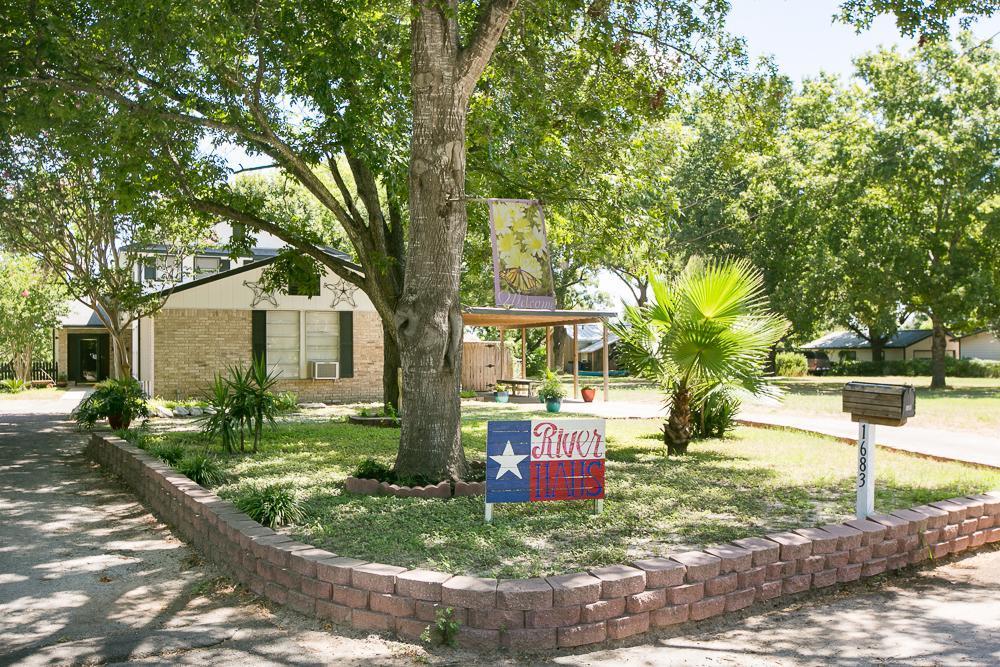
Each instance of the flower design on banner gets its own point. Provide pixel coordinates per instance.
(343, 292)
(523, 257)
(260, 295)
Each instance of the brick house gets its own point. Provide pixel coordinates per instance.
(324, 339)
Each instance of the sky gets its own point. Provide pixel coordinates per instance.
(804, 40)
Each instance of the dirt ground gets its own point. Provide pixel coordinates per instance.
(87, 575)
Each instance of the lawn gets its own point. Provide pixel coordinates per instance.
(39, 394)
(967, 404)
(755, 482)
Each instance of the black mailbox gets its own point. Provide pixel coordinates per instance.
(886, 404)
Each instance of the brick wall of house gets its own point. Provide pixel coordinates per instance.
(192, 345)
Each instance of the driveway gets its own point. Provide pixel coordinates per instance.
(87, 575)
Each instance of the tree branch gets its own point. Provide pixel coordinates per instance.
(474, 57)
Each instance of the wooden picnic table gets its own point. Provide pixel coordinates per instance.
(520, 383)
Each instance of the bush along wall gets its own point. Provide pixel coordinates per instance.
(961, 368)
(562, 611)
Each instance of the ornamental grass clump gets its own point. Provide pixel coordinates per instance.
(272, 505)
(704, 339)
(202, 469)
(242, 402)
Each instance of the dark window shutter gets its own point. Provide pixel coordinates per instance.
(346, 344)
(259, 334)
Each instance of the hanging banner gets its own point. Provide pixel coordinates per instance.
(545, 459)
(522, 267)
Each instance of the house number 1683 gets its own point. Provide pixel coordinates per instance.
(866, 469)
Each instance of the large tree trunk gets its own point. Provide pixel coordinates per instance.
(429, 316)
(939, 343)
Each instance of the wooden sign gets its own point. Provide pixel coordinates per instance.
(541, 460)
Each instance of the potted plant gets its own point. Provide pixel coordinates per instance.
(119, 401)
(551, 392)
(588, 393)
(501, 394)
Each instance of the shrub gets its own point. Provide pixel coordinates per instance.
(272, 505)
(133, 436)
(121, 398)
(969, 368)
(202, 469)
(791, 364)
(13, 386)
(170, 454)
(715, 417)
(286, 401)
(373, 469)
(467, 393)
(242, 402)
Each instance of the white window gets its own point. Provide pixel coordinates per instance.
(206, 265)
(295, 339)
(283, 343)
(322, 336)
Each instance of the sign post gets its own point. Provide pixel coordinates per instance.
(866, 470)
(870, 403)
(542, 460)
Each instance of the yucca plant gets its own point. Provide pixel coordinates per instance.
(707, 331)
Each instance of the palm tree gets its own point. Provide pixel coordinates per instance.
(708, 331)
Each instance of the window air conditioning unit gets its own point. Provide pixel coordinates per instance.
(325, 370)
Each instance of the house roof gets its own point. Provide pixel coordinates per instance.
(341, 257)
(847, 340)
(529, 317)
(79, 315)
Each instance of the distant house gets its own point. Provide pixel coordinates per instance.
(591, 348)
(979, 345)
(906, 344)
(324, 338)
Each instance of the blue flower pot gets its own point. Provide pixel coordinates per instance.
(501, 396)
(553, 405)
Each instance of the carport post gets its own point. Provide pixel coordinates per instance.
(548, 348)
(576, 361)
(524, 353)
(605, 333)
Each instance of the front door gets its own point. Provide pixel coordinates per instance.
(88, 357)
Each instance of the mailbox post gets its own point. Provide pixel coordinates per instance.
(871, 403)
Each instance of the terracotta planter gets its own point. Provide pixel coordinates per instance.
(588, 394)
(118, 422)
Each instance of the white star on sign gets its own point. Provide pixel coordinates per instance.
(508, 461)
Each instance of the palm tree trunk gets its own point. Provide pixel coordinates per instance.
(677, 429)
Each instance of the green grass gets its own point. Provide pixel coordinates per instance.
(755, 482)
(39, 394)
(967, 404)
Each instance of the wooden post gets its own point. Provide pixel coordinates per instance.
(576, 361)
(524, 353)
(548, 348)
(503, 355)
(605, 361)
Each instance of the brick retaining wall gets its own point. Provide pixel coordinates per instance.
(568, 610)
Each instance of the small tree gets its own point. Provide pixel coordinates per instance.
(31, 303)
(707, 331)
(88, 232)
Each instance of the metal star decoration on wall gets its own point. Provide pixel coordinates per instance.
(343, 292)
(260, 295)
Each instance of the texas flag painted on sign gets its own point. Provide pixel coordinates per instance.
(545, 459)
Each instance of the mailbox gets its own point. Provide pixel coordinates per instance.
(886, 404)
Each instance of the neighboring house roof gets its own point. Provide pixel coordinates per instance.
(591, 337)
(846, 340)
(979, 332)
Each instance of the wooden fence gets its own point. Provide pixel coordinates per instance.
(483, 364)
(40, 371)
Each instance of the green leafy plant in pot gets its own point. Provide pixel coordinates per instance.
(119, 400)
(551, 391)
(501, 394)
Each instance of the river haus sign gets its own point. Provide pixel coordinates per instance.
(544, 459)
